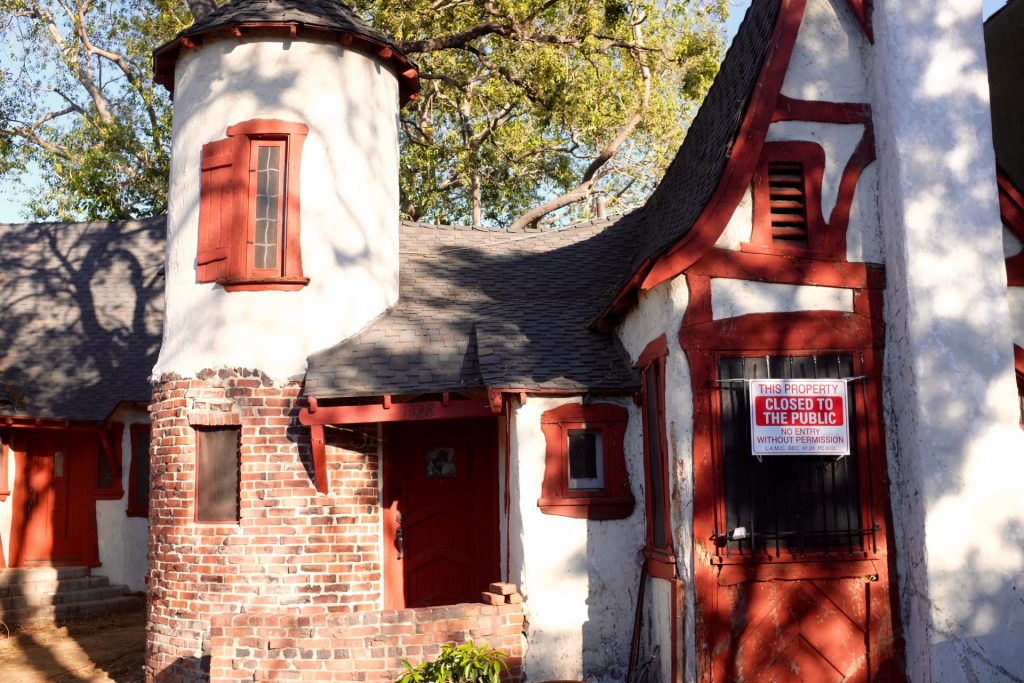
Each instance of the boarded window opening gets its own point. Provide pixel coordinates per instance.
(788, 202)
(586, 460)
(786, 503)
(217, 474)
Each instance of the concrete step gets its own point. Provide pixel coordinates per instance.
(61, 597)
(50, 614)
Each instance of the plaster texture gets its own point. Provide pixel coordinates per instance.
(1015, 295)
(579, 576)
(741, 224)
(660, 311)
(733, 298)
(864, 232)
(838, 140)
(123, 540)
(830, 56)
(7, 508)
(349, 202)
(1011, 243)
(956, 452)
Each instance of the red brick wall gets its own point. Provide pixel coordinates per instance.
(355, 647)
(292, 547)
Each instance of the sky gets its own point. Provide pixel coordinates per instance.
(12, 199)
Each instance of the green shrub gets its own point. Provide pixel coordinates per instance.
(464, 663)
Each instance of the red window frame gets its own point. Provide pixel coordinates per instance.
(614, 500)
(660, 558)
(227, 208)
(110, 450)
(812, 158)
(137, 508)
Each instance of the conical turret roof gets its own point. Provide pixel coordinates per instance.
(325, 19)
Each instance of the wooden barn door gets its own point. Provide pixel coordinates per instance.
(791, 566)
(441, 518)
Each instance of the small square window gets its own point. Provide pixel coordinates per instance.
(586, 460)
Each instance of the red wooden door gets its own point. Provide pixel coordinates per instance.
(52, 497)
(441, 521)
(791, 566)
(47, 523)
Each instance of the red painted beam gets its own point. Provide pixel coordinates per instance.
(398, 412)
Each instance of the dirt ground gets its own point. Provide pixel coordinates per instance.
(105, 648)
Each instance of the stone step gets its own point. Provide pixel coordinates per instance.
(50, 586)
(102, 592)
(49, 614)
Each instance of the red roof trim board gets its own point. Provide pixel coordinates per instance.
(1011, 209)
(744, 156)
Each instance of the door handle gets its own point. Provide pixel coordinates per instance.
(400, 538)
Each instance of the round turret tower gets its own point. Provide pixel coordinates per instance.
(283, 201)
(282, 239)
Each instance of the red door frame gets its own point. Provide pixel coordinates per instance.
(483, 437)
(704, 340)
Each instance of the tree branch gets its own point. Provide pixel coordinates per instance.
(456, 40)
(590, 176)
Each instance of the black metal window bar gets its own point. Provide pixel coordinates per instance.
(787, 503)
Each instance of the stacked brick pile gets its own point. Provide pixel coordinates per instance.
(499, 593)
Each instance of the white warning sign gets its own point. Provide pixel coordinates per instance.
(799, 417)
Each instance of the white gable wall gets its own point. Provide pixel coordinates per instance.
(830, 56)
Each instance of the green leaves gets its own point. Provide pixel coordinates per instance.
(519, 99)
(464, 663)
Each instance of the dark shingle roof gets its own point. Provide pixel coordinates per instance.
(313, 16)
(694, 174)
(81, 307)
(490, 309)
(326, 14)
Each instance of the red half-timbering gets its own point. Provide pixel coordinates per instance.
(1011, 209)
(765, 617)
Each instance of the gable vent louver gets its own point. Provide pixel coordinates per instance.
(788, 202)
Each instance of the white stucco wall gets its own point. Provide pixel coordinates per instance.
(1011, 243)
(1015, 296)
(956, 452)
(864, 233)
(830, 57)
(349, 200)
(660, 311)
(741, 224)
(123, 540)
(579, 576)
(733, 298)
(7, 507)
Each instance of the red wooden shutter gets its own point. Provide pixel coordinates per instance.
(218, 209)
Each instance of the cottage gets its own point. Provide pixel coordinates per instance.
(763, 428)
